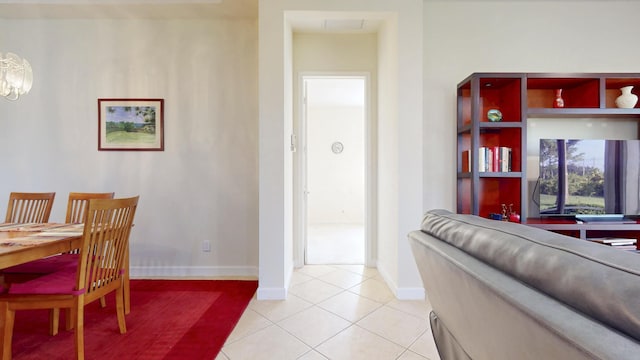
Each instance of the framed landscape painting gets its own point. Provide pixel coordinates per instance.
(131, 124)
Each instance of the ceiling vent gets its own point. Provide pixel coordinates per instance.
(344, 24)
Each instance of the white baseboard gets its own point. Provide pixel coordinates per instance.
(401, 293)
(271, 293)
(210, 272)
(145, 272)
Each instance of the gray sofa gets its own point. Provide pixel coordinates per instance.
(508, 291)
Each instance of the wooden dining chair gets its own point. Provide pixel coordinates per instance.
(99, 271)
(78, 203)
(29, 207)
(76, 212)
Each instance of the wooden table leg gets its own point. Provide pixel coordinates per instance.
(7, 319)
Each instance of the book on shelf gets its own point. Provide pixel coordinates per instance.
(615, 241)
(482, 159)
(490, 159)
(496, 154)
(505, 158)
(494, 159)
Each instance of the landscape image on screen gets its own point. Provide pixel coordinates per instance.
(572, 176)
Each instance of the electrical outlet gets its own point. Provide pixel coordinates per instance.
(206, 246)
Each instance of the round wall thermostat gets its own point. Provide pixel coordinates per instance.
(337, 147)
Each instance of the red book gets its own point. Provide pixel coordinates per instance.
(496, 158)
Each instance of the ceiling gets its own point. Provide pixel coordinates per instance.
(128, 9)
(303, 21)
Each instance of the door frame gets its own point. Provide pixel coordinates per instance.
(300, 168)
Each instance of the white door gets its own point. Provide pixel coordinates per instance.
(335, 154)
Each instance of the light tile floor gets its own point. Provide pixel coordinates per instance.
(333, 312)
(335, 244)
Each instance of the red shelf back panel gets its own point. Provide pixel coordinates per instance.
(464, 196)
(507, 137)
(501, 94)
(494, 192)
(612, 90)
(576, 92)
(464, 98)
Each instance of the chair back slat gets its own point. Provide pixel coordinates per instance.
(78, 204)
(29, 207)
(105, 243)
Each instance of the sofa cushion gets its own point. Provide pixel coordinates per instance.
(599, 281)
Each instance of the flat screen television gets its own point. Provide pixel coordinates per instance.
(589, 178)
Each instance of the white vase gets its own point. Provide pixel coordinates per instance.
(627, 100)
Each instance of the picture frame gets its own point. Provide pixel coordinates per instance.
(130, 124)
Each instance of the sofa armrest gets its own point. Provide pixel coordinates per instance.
(495, 316)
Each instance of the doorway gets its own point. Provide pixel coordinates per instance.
(334, 128)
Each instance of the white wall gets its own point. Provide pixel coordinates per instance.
(388, 140)
(336, 182)
(204, 186)
(275, 199)
(462, 37)
(399, 271)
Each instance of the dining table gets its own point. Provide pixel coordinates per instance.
(21, 243)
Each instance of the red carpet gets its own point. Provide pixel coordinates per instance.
(169, 319)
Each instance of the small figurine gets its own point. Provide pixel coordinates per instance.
(513, 216)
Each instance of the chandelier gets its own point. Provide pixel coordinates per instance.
(16, 76)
